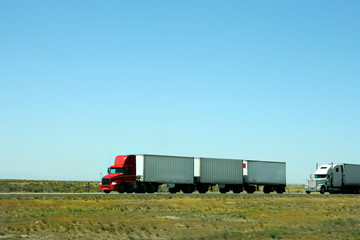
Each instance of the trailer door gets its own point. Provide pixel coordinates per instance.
(337, 176)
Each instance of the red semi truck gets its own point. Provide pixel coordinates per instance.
(145, 173)
(122, 177)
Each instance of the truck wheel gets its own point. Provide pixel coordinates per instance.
(172, 190)
(237, 189)
(250, 189)
(121, 188)
(141, 188)
(308, 192)
(223, 190)
(151, 188)
(107, 191)
(322, 189)
(187, 189)
(267, 189)
(129, 188)
(202, 188)
(202, 191)
(280, 190)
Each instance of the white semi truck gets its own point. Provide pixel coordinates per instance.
(335, 178)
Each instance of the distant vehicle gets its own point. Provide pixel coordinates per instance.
(335, 178)
(145, 173)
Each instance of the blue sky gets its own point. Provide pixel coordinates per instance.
(84, 81)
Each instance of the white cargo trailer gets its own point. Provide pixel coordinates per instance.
(177, 172)
(165, 169)
(227, 173)
(271, 175)
(335, 178)
(351, 173)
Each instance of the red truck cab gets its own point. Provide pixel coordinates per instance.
(123, 171)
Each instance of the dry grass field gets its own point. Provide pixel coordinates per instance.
(41, 186)
(181, 216)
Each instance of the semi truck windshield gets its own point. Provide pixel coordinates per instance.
(116, 170)
(320, 175)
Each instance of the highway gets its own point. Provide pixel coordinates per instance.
(145, 195)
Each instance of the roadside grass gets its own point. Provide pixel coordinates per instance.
(181, 217)
(41, 186)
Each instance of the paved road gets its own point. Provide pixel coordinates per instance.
(115, 194)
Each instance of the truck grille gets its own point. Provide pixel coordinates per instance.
(312, 183)
(105, 181)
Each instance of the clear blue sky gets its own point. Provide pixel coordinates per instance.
(84, 81)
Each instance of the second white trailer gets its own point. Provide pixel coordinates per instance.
(271, 175)
(226, 173)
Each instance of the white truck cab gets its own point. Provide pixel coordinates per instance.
(327, 177)
(335, 178)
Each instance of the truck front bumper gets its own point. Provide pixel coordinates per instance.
(108, 187)
(312, 189)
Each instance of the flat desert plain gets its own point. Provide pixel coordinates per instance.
(181, 216)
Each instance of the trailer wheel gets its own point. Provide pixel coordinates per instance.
(151, 188)
(203, 189)
(107, 191)
(280, 190)
(322, 189)
(355, 191)
(237, 189)
(250, 189)
(267, 189)
(223, 190)
(141, 188)
(187, 189)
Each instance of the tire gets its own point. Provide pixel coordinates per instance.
(129, 188)
(322, 189)
(151, 188)
(250, 189)
(237, 189)
(280, 190)
(121, 188)
(223, 190)
(267, 189)
(141, 188)
(187, 189)
(107, 191)
(202, 188)
(308, 192)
